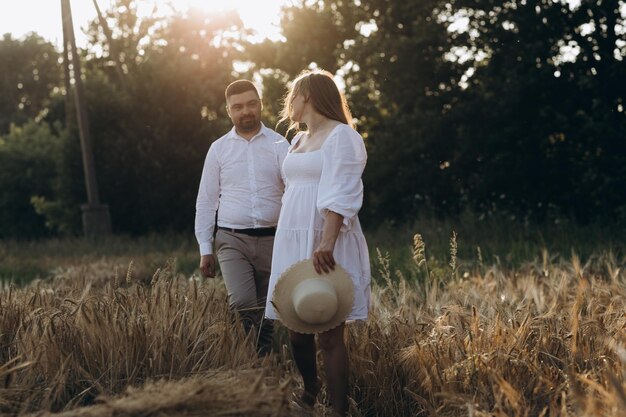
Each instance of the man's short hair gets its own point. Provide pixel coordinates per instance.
(240, 86)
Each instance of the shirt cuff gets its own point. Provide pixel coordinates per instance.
(206, 249)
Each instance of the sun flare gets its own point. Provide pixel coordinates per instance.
(262, 16)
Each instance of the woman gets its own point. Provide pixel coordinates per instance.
(318, 220)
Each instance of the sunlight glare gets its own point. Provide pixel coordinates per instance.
(260, 16)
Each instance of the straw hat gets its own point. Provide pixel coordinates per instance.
(307, 302)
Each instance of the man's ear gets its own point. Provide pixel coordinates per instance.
(228, 110)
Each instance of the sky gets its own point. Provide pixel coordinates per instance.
(20, 17)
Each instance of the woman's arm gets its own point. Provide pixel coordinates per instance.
(323, 259)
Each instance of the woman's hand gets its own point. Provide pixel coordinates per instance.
(323, 259)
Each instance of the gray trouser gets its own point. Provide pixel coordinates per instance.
(245, 262)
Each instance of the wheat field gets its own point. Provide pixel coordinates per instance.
(545, 339)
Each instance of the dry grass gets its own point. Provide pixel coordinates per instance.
(548, 339)
(82, 335)
(223, 393)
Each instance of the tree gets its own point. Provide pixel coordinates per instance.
(152, 130)
(391, 56)
(314, 32)
(543, 107)
(401, 88)
(30, 72)
(475, 104)
(28, 156)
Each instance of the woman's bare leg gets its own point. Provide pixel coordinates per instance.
(304, 350)
(336, 366)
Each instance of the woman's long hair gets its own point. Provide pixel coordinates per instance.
(318, 87)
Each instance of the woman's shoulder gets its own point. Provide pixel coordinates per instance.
(343, 132)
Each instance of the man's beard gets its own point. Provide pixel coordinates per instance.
(248, 124)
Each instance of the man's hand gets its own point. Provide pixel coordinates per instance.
(207, 266)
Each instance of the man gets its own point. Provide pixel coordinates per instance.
(242, 182)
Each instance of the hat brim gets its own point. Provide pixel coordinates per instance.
(295, 274)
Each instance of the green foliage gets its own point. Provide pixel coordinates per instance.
(152, 127)
(26, 260)
(152, 131)
(533, 118)
(274, 91)
(400, 88)
(314, 33)
(494, 116)
(497, 240)
(28, 156)
(30, 72)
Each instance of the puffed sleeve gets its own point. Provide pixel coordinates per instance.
(341, 187)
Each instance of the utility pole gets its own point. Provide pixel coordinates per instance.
(96, 218)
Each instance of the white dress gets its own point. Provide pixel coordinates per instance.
(316, 182)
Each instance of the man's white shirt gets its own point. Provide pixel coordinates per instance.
(242, 181)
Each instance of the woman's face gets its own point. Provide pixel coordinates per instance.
(297, 107)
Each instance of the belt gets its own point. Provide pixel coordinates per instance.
(259, 232)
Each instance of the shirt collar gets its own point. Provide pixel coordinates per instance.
(234, 135)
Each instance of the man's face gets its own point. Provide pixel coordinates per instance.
(245, 111)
